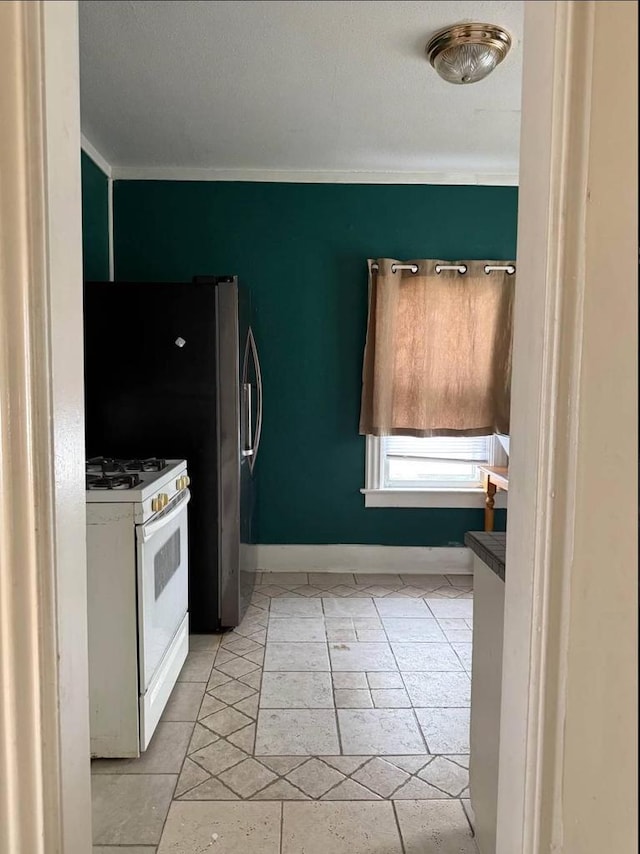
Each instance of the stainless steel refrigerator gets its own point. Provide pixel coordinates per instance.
(172, 371)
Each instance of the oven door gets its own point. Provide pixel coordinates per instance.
(162, 568)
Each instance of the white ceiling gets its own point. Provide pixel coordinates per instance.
(245, 88)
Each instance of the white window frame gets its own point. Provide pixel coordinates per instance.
(376, 495)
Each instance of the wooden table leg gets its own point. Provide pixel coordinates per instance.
(489, 505)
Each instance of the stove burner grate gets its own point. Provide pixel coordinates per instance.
(112, 481)
(109, 465)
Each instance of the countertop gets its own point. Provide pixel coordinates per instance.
(490, 548)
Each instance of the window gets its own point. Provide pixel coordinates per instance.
(436, 472)
(444, 462)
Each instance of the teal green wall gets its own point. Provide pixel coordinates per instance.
(95, 221)
(301, 249)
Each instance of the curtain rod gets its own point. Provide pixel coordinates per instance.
(461, 268)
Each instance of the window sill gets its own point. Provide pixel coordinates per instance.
(461, 498)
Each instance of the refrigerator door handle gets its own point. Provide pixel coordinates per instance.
(256, 362)
(246, 390)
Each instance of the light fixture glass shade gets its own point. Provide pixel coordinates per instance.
(466, 53)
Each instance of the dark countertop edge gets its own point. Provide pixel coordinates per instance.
(490, 547)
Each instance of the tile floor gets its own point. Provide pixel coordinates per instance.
(334, 719)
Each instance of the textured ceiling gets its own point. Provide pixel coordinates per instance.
(299, 86)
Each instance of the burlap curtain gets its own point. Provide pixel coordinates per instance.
(437, 360)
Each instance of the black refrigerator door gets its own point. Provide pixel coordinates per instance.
(150, 378)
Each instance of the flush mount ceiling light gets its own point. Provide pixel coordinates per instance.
(466, 53)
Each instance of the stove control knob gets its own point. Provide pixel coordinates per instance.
(155, 505)
(164, 498)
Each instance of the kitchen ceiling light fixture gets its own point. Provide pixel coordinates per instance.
(466, 53)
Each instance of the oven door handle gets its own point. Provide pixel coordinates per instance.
(145, 532)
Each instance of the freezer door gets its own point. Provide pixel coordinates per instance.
(150, 390)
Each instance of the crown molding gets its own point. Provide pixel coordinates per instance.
(179, 173)
(101, 162)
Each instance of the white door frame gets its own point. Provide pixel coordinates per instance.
(45, 803)
(571, 554)
(44, 800)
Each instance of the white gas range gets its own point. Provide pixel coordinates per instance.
(137, 563)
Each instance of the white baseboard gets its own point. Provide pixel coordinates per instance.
(363, 558)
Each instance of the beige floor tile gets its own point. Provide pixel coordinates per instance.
(326, 580)
(413, 629)
(412, 764)
(197, 667)
(130, 809)
(350, 791)
(380, 777)
(398, 607)
(245, 738)
(299, 607)
(232, 828)
(201, 738)
(283, 579)
(353, 698)
(296, 629)
(239, 645)
(346, 764)
(459, 635)
(239, 666)
(223, 656)
(282, 764)
(296, 732)
(425, 582)
(438, 689)
(339, 828)
(425, 656)
(383, 579)
(465, 581)
(460, 608)
(348, 679)
(211, 790)
(434, 827)
(190, 777)
(361, 656)
(445, 730)
(248, 777)
(380, 731)
(249, 706)
(385, 679)
(253, 680)
(232, 692)
(296, 656)
(203, 643)
(308, 591)
(371, 635)
(349, 607)
(291, 690)
(164, 755)
(342, 635)
(464, 653)
(446, 775)
(280, 791)
(209, 706)
(217, 757)
(217, 678)
(184, 702)
(390, 698)
(226, 721)
(416, 789)
(256, 657)
(315, 777)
